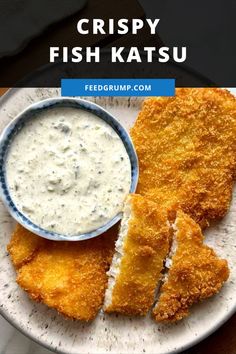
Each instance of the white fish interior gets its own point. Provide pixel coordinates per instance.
(119, 252)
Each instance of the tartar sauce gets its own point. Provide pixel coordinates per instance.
(68, 171)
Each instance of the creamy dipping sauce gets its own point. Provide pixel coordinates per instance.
(68, 171)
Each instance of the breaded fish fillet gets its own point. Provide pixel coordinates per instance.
(23, 246)
(141, 248)
(195, 273)
(68, 276)
(186, 147)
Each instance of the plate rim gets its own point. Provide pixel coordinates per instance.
(175, 351)
(35, 339)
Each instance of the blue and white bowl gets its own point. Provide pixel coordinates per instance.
(14, 127)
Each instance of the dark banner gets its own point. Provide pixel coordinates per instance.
(44, 42)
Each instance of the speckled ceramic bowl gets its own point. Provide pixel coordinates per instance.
(15, 126)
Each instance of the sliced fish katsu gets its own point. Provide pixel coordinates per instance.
(141, 248)
(68, 276)
(186, 147)
(195, 273)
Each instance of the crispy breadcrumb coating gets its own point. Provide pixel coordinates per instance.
(187, 154)
(68, 276)
(186, 147)
(23, 246)
(196, 273)
(145, 246)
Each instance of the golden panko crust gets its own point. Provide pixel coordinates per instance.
(68, 276)
(145, 247)
(186, 147)
(196, 273)
(23, 245)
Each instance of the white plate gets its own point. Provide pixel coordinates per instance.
(110, 334)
